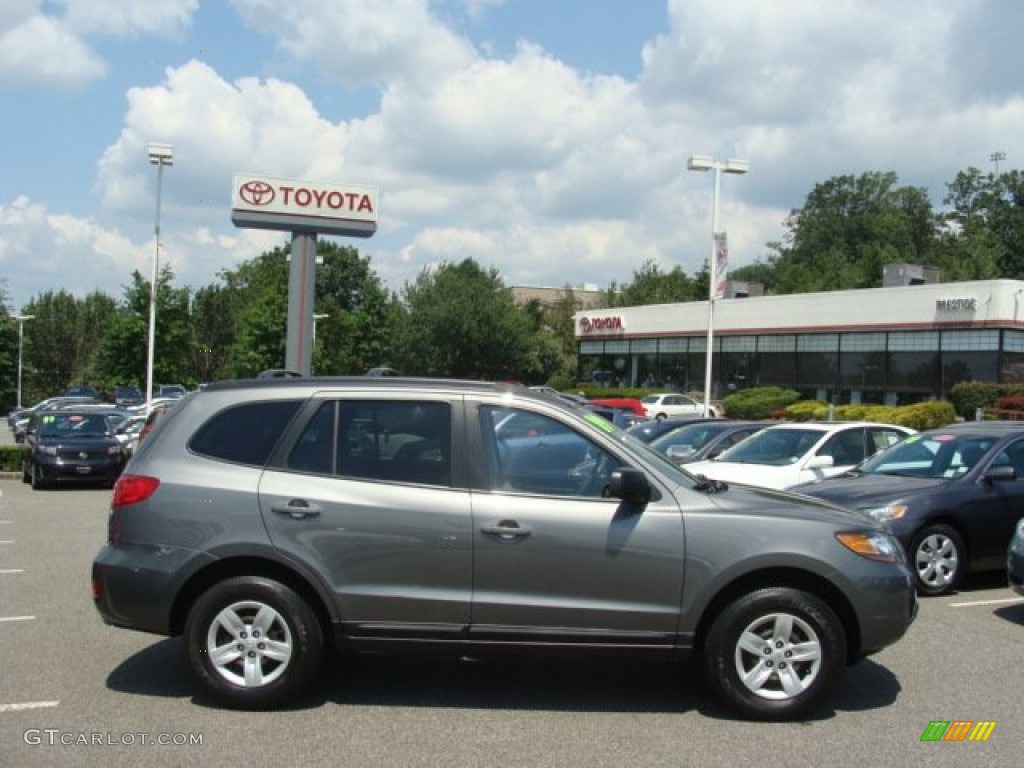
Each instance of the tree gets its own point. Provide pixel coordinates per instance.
(849, 229)
(122, 352)
(983, 234)
(62, 340)
(651, 285)
(357, 333)
(461, 321)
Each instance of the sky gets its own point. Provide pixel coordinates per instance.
(547, 139)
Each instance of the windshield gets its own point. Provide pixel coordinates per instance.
(62, 425)
(776, 447)
(934, 455)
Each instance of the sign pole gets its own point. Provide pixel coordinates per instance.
(299, 349)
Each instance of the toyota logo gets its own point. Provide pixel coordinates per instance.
(256, 193)
(83, 455)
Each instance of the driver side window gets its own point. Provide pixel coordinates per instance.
(532, 453)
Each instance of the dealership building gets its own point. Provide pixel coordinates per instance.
(899, 344)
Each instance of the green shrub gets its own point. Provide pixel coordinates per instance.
(10, 458)
(759, 402)
(885, 414)
(807, 410)
(968, 396)
(928, 415)
(561, 383)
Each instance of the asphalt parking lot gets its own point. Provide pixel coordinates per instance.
(76, 692)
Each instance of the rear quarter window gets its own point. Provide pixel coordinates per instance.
(244, 434)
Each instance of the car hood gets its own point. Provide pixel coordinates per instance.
(765, 502)
(752, 474)
(863, 491)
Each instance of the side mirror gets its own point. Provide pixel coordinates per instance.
(1001, 473)
(629, 484)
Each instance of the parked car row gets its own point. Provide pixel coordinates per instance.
(951, 496)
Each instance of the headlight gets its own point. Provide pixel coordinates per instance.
(113, 450)
(49, 450)
(873, 545)
(1020, 528)
(888, 513)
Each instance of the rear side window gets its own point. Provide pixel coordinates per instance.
(245, 434)
(393, 441)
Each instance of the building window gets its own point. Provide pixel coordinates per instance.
(901, 341)
(970, 340)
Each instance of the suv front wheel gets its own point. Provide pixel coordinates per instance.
(774, 653)
(253, 642)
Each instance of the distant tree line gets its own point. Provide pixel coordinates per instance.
(459, 319)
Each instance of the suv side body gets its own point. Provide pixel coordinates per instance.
(386, 512)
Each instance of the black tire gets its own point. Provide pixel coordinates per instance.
(284, 660)
(938, 558)
(37, 480)
(788, 622)
(661, 417)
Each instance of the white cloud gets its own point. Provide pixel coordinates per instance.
(165, 18)
(38, 48)
(41, 50)
(217, 129)
(547, 173)
(359, 42)
(43, 251)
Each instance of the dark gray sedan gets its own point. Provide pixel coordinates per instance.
(951, 496)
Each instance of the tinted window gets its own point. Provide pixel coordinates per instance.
(408, 442)
(244, 433)
(552, 460)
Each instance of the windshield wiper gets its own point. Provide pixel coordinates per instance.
(705, 483)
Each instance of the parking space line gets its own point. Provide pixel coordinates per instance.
(17, 618)
(987, 602)
(21, 706)
(12, 570)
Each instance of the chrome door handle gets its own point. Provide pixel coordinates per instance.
(297, 509)
(507, 529)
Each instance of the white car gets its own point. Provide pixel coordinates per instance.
(670, 404)
(784, 455)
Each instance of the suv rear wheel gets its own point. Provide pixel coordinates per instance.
(253, 642)
(774, 653)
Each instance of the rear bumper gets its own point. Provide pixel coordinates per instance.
(135, 586)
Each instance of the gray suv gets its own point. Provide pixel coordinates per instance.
(267, 520)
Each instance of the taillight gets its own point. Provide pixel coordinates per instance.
(131, 489)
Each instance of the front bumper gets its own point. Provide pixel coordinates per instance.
(58, 469)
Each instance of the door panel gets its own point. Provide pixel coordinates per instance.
(555, 559)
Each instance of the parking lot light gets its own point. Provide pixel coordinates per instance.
(732, 165)
(21, 342)
(159, 155)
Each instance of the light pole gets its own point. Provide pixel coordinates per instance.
(21, 340)
(159, 155)
(995, 157)
(707, 163)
